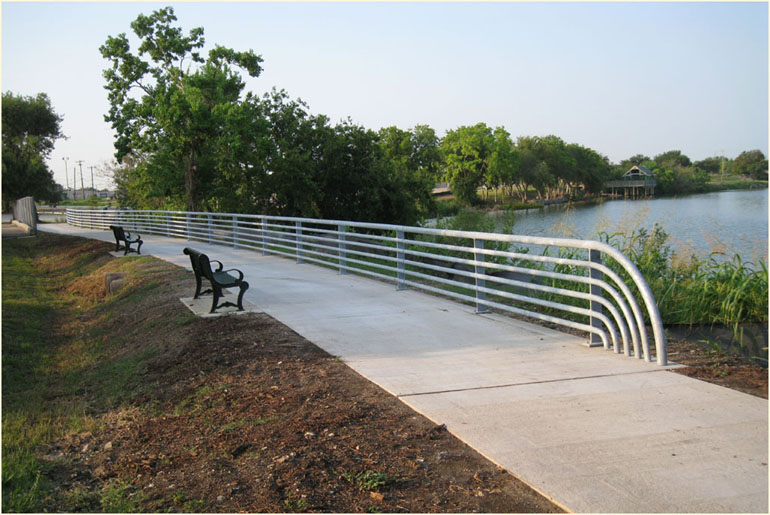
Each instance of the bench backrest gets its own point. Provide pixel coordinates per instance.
(200, 262)
(205, 264)
(118, 231)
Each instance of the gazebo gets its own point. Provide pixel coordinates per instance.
(637, 182)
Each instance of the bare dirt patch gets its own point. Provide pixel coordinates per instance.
(708, 364)
(241, 414)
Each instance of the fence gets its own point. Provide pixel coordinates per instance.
(580, 284)
(24, 212)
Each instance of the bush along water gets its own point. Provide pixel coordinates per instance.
(694, 291)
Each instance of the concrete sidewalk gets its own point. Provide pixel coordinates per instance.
(592, 430)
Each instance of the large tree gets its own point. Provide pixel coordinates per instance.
(172, 105)
(30, 129)
(467, 151)
(751, 162)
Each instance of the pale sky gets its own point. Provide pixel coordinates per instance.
(621, 78)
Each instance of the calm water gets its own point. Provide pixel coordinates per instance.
(734, 222)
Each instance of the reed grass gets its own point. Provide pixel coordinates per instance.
(695, 291)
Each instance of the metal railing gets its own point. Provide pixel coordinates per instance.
(586, 285)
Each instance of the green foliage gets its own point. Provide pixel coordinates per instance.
(192, 141)
(369, 480)
(677, 181)
(695, 291)
(712, 165)
(672, 159)
(185, 104)
(751, 163)
(467, 152)
(119, 497)
(30, 127)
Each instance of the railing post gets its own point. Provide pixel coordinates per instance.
(341, 229)
(235, 231)
(298, 226)
(168, 225)
(262, 236)
(595, 256)
(187, 226)
(211, 233)
(480, 270)
(400, 285)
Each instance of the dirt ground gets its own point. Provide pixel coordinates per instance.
(241, 414)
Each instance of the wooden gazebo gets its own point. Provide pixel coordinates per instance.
(638, 182)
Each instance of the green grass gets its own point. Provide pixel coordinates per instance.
(47, 370)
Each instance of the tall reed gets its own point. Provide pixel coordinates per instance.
(694, 291)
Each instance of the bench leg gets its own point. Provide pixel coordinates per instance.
(198, 285)
(139, 247)
(217, 294)
(244, 286)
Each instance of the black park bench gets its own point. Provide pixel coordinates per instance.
(201, 265)
(124, 237)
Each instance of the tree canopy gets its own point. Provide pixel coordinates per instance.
(189, 136)
(172, 105)
(30, 130)
(752, 163)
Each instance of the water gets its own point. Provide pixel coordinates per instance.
(734, 222)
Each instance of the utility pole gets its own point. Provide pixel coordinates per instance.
(723, 166)
(66, 173)
(92, 181)
(82, 186)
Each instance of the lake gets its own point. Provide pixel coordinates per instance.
(734, 222)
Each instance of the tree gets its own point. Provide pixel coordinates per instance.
(712, 165)
(416, 159)
(752, 163)
(672, 159)
(170, 104)
(503, 162)
(30, 130)
(591, 168)
(467, 151)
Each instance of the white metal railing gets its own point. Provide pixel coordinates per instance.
(581, 287)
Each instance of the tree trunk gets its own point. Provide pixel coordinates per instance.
(190, 185)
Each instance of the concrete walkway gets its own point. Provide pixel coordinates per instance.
(592, 430)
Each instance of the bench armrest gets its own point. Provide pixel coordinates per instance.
(240, 274)
(220, 264)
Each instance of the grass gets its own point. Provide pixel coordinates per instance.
(52, 354)
(369, 480)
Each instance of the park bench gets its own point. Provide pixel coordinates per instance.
(124, 237)
(219, 279)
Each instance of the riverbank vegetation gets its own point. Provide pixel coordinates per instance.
(695, 291)
(190, 137)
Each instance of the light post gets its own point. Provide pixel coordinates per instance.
(82, 186)
(66, 173)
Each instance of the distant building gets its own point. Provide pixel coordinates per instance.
(639, 172)
(637, 182)
(88, 193)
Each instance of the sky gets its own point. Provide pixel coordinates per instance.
(620, 78)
